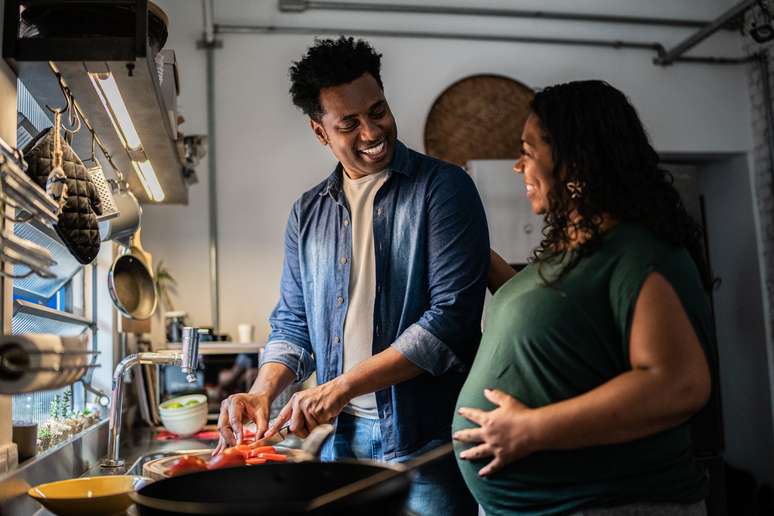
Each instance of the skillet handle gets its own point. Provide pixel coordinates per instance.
(383, 476)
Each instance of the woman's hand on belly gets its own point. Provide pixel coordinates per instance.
(506, 433)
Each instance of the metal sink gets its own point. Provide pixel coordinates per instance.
(136, 467)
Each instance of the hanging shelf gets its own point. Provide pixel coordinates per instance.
(150, 103)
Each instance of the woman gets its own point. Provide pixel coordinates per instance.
(593, 357)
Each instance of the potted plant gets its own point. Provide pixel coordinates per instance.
(44, 437)
(166, 286)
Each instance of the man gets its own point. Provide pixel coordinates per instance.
(382, 287)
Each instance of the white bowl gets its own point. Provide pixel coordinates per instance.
(188, 420)
(201, 399)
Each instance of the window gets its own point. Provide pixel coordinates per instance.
(60, 305)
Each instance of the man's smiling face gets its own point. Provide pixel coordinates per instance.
(358, 125)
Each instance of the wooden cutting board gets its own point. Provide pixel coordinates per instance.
(158, 469)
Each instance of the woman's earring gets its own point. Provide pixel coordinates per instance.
(575, 188)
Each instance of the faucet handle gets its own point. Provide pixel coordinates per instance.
(190, 358)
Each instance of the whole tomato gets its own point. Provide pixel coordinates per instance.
(223, 460)
(186, 464)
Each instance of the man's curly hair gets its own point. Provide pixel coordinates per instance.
(330, 62)
(598, 142)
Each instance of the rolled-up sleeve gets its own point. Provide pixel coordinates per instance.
(447, 334)
(289, 342)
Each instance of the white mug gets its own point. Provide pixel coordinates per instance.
(246, 333)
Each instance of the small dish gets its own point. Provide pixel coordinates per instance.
(88, 496)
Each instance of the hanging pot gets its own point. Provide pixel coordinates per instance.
(131, 284)
(126, 223)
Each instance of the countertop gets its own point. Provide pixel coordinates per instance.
(136, 443)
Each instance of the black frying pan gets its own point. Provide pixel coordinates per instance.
(319, 488)
(274, 489)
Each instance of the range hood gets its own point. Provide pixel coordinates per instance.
(151, 103)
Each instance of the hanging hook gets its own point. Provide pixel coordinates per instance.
(66, 95)
(93, 145)
(65, 92)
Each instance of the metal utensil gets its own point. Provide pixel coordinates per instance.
(97, 176)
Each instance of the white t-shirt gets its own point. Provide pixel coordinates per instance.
(359, 323)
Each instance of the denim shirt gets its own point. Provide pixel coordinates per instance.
(431, 247)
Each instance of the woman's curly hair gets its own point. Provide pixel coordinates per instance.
(599, 145)
(328, 63)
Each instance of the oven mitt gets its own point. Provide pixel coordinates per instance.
(77, 225)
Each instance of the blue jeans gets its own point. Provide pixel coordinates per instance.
(438, 488)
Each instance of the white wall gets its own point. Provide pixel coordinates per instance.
(267, 155)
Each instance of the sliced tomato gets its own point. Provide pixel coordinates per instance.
(273, 457)
(234, 450)
(262, 449)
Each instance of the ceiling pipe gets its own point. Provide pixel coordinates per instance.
(223, 28)
(208, 16)
(718, 23)
(296, 6)
(209, 44)
(226, 28)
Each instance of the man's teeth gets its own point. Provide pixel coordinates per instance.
(373, 151)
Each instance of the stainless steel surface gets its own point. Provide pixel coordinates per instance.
(82, 457)
(37, 252)
(126, 224)
(109, 210)
(21, 306)
(718, 23)
(304, 5)
(113, 459)
(63, 271)
(21, 189)
(66, 460)
(190, 358)
(138, 81)
(103, 399)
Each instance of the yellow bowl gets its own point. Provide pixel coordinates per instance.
(90, 496)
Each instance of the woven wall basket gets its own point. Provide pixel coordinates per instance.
(478, 117)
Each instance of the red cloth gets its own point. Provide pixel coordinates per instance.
(204, 435)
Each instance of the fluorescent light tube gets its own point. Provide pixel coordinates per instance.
(107, 91)
(149, 180)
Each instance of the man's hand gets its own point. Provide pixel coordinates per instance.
(505, 433)
(312, 407)
(235, 411)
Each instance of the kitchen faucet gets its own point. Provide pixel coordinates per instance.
(187, 359)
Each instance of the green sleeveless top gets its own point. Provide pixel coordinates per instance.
(543, 344)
